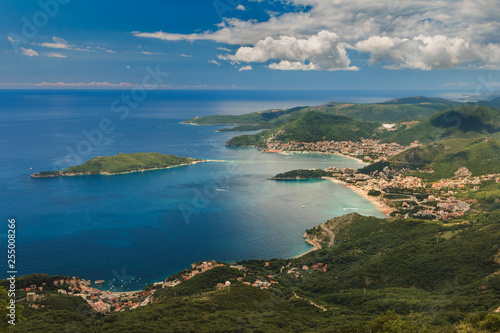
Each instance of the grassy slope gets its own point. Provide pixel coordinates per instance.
(127, 162)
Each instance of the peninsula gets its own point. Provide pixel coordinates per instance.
(120, 164)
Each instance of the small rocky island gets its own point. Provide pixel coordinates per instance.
(120, 164)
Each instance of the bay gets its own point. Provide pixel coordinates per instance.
(139, 228)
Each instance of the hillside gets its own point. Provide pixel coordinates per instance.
(463, 122)
(315, 126)
(494, 103)
(120, 163)
(312, 127)
(254, 118)
(402, 265)
(397, 110)
(377, 271)
(480, 156)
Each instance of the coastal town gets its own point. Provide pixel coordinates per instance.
(102, 301)
(367, 150)
(394, 191)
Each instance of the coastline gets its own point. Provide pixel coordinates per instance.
(309, 241)
(386, 210)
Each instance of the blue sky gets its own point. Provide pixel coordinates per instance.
(259, 44)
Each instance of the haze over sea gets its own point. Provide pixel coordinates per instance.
(130, 227)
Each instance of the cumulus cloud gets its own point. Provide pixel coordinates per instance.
(215, 62)
(318, 52)
(245, 68)
(419, 34)
(28, 52)
(241, 7)
(425, 52)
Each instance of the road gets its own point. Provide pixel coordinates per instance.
(329, 232)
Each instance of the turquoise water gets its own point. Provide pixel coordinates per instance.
(141, 227)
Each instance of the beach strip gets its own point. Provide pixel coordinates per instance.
(386, 210)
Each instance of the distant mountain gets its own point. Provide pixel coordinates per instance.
(254, 118)
(396, 110)
(494, 103)
(458, 122)
(420, 100)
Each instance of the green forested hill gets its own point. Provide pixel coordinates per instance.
(403, 109)
(120, 163)
(315, 126)
(403, 265)
(312, 127)
(449, 274)
(480, 156)
(462, 122)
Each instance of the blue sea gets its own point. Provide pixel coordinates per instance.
(139, 228)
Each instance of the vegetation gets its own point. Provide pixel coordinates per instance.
(312, 127)
(244, 128)
(122, 163)
(384, 275)
(397, 110)
(249, 140)
(462, 122)
(302, 174)
(380, 275)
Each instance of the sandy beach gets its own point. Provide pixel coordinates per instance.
(288, 152)
(374, 200)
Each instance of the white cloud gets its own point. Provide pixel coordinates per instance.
(152, 53)
(420, 34)
(58, 43)
(241, 7)
(54, 55)
(186, 55)
(224, 49)
(215, 62)
(318, 52)
(425, 52)
(245, 68)
(28, 52)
